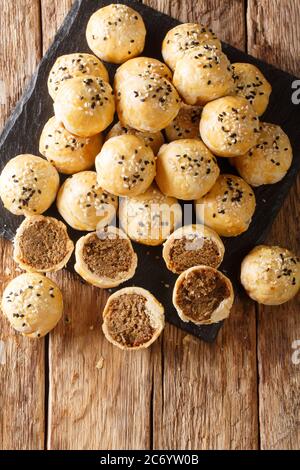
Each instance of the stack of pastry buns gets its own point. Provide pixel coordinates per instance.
(175, 119)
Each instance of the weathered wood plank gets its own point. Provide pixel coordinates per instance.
(53, 14)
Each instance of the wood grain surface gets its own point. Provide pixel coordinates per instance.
(240, 393)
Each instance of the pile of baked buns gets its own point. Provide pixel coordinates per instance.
(207, 109)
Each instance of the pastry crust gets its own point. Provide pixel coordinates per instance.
(85, 106)
(70, 66)
(229, 126)
(141, 65)
(116, 33)
(67, 152)
(186, 169)
(150, 217)
(186, 124)
(269, 160)
(33, 304)
(83, 204)
(228, 207)
(193, 245)
(154, 313)
(42, 244)
(152, 139)
(28, 185)
(92, 264)
(271, 274)
(184, 38)
(201, 287)
(125, 166)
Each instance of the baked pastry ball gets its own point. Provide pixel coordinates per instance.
(42, 244)
(28, 185)
(147, 102)
(152, 139)
(83, 204)
(105, 258)
(132, 318)
(125, 166)
(252, 85)
(186, 169)
(69, 66)
(141, 65)
(67, 152)
(229, 126)
(116, 33)
(203, 295)
(85, 106)
(271, 274)
(203, 74)
(269, 160)
(186, 124)
(185, 37)
(150, 217)
(33, 304)
(228, 207)
(193, 245)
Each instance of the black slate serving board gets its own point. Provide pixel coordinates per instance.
(21, 135)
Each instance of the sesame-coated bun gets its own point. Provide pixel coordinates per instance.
(271, 274)
(116, 33)
(132, 318)
(74, 65)
(147, 102)
(42, 244)
(68, 152)
(252, 85)
(28, 185)
(186, 169)
(202, 75)
(83, 204)
(229, 126)
(125, 166)
(186, 124)
(33, 304)
(150, 217)
(85, 105)
(105, 258)
(228, 207)
(185, 37)
(153, 139)
(141, 65)
(203, 295)
(193, 245)
(269, 160)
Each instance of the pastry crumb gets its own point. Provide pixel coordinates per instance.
(100, 363)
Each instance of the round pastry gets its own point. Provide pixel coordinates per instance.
(132, 318)
(83, 204)
(270, 159)
(203, 295)
(141, 65)
(271, 274)
(85, 106)
(67, 152)
(252, 85)
(186, 169)
(28, 185)
(116, 33)
(42, 244)
(152, 139)
(33, 304)
(74, 65)
(125, 166)
(149, 218)
(185, 37)
(202, 75)
(193, 245)
(228, 207)
(147, 102)
(105, 258)
(186, 124)
(229, 126)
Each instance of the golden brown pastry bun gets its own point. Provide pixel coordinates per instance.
(186, 124)
(153, 139)
(141, 65)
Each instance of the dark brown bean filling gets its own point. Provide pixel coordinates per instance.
(203, 251)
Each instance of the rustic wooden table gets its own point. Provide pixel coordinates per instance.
(74, 390)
